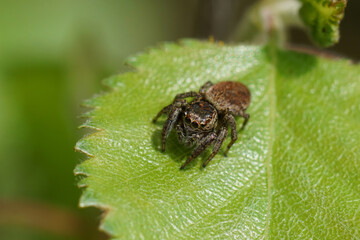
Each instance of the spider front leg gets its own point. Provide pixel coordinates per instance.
(186, 95)
(205, 143)
(178, 97)
(176, 109)
(218, 142)
(231, 120)
(165, 110)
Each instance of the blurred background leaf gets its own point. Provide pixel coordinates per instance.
(53, 55)
(323, 17)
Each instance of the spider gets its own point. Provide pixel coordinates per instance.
(204, 120)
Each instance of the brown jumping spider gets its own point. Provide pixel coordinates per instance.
(205, 120)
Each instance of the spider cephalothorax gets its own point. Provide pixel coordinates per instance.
(200, 115)
(205, 120)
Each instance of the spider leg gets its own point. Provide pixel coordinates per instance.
(171, 120)
(179, 96)
(246, 116)
(205, 87)
(231, 120)
(186, 95)
(206, 142)
(165, 110)
(180, 132)
(218, 142)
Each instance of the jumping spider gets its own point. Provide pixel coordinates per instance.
(205, 120)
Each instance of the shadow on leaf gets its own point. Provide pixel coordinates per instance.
(177, 151)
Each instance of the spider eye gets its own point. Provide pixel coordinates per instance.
(194, 124)
(202, 125)
(187, 120)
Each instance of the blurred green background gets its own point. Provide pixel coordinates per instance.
(53, 55)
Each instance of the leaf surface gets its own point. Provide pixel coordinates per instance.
(293, 173)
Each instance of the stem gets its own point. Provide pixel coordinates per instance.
(267, 21)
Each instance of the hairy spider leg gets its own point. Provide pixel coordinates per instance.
(168, 108)
(206, 142)
(205, 87)
(231, 120)
(165, 110)
(181, 136)
(171, 120)
(186, 95)
(217, 145)
(246, 116)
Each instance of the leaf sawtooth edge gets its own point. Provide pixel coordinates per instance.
(112, 84)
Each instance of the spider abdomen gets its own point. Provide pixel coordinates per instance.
(234, 96)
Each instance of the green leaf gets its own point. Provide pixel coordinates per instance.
(323, 17)
(293, 173)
